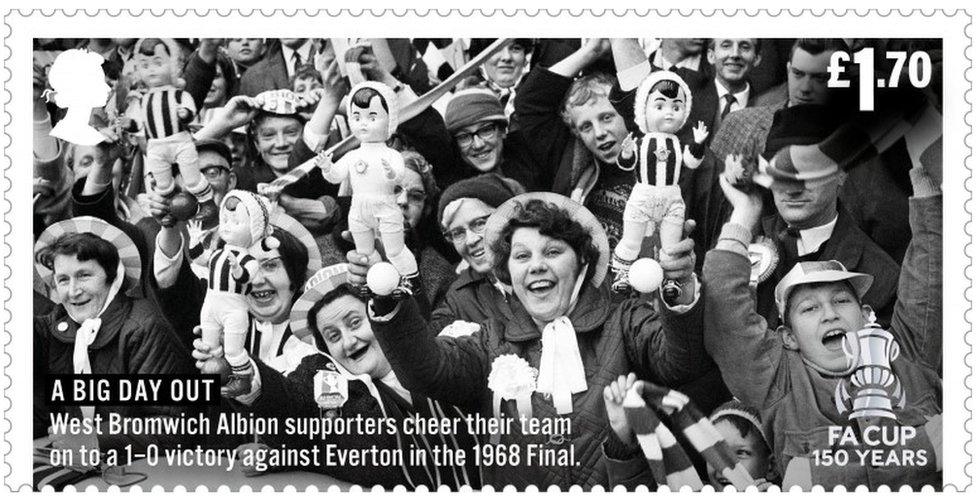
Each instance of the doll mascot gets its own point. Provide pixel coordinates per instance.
(661, 107)
(373, 171)
(165, 113)
(245, 226)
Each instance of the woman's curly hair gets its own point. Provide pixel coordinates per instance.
(551, 221)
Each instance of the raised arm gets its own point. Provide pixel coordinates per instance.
(917, 318)
(452, 370)
(736, 337)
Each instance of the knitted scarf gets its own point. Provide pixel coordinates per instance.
(668, 462)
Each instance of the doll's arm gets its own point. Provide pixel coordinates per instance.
(187, 108)
(695, 152)
(393, 167)
(334, 172)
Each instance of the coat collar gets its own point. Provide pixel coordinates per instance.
(844, 245)
(592, 311)
(112, 320)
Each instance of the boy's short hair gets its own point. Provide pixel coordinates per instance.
(584, 90)
(148, 46)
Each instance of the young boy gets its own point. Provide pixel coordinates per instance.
(828, 383)
(741, 429)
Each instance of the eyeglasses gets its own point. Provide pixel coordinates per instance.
(486, 133)
(415, 196)
(458, 234)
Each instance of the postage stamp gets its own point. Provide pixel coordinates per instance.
(573, 257)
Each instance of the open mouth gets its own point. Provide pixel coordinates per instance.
(263, 296)
(606, 147)
(477, 254)
(541, 287)
(834, 339)
(80, 303)
(482, 155)
(359, 353)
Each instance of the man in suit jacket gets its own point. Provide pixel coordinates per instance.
(728, 90)
(278, 66)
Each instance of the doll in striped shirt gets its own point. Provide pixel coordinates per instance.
(661, 107)
(166, 112)
(245, 224)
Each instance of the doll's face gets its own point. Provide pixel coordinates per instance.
(156, 70)
(235, 225)
(664, 114)
(370, 124)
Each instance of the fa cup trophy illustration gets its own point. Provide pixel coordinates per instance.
(872, 390)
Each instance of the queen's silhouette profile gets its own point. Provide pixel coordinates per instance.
(78, 84)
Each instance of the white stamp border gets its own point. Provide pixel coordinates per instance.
(954, 27)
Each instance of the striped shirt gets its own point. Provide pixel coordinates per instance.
(159, 111)
(223, 275)
(657, 160)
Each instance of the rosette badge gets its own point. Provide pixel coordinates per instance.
(512, 379)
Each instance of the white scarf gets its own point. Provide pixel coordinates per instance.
(561, 371)
(87, 332)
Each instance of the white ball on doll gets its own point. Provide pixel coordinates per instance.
(382, 278)
(646, 275)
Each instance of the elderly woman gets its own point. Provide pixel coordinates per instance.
(96, 328)
(553, 253)
(331, 314)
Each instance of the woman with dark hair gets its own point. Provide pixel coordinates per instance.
(553, 254)
(97, 329)
(332, 314)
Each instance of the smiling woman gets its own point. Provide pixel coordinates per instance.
(554, 254)
(96, 328)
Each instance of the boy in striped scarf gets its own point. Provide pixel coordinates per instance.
(166, 113)
(661, 107)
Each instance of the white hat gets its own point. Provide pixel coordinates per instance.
(321, 283)
(824, 271)
(644, 91)
(259, 211)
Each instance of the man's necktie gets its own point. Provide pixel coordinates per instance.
(729, 101)
(297, 58)
(790, 238)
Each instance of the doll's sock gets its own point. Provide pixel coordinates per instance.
(202, 190)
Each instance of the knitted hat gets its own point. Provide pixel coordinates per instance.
(471, 106)
(741, 410)
(490, 188)
(279, 102)
(321, 283)
(259, 210)
(386, 93)
(644, 92)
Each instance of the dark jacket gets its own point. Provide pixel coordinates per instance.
(293, 396)
(133, 339)
(267, 74)
(848, 245)
(797, 402)
(665, 349)
(472, 297)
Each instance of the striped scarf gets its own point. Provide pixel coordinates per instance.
(668, 462)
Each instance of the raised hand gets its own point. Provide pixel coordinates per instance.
(734, 170)
(628, 147)
(194, 227)
(238, 111)
(746, 207)
(700, 132)
(613, 398)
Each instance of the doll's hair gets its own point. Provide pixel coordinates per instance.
(667, 88)
(365, 95)
(148, 47)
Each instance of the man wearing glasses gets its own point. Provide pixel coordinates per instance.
(476, 120)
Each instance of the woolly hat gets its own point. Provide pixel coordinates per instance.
(387, 94)
(739, 409)
(491, 188)
(471, 106)
(644, 92)
(259, 211)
